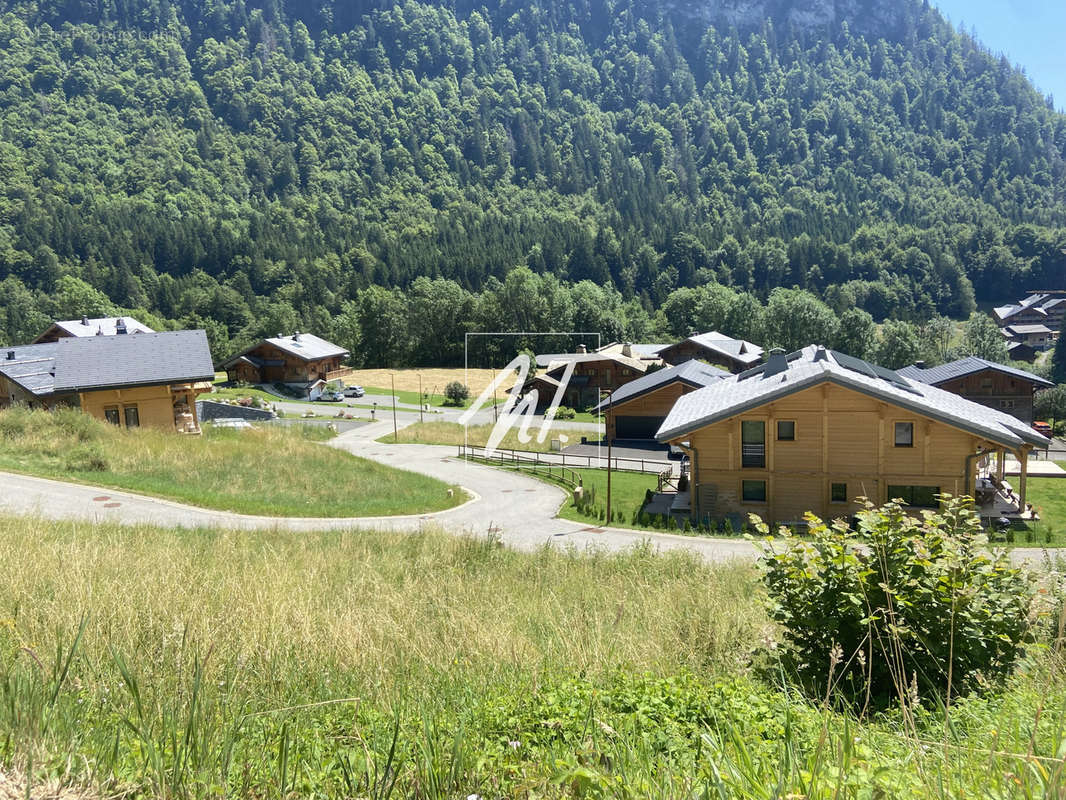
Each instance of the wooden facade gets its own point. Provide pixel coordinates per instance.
(267, 363)
(642, 416)
(1004, 392)
(592, 376)
(166, 407)
(688, 350)
(822, 448)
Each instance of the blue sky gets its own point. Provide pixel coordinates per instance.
(1032, 33)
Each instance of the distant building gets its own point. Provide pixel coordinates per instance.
(638, 409)
(734, 355)
(1046, 308)
(148, 380)
(1017, 351)
(816, 429)
(593, 374)
(97, 326)
(303, 360)
(1038, 337)
(993, 385)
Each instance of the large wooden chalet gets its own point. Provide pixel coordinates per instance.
(814, 430)
(148, 380)
(301, 359)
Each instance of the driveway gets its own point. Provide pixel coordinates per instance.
(518, 509)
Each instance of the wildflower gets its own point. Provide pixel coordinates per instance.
(514, 744)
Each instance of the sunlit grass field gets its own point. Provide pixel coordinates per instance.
(278, 471)
(155, 663)
(454, 434)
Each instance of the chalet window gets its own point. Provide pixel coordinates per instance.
(838, 493)
(753, 491)
(904, 434)
(1006, 404)
(986, 383)
(111, 415)
(786, 430)
(133, 416)
(917, 496)
(753, 444)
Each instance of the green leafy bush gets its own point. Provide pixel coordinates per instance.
(563, 412)
(456, 393)
(898, 608)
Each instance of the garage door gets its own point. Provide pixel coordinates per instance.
(637, 427)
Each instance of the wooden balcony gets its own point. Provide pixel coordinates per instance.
(339, 374)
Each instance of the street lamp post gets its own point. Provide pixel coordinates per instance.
(607, 433)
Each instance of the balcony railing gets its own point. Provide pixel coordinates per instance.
(753, 456)
(337, 374)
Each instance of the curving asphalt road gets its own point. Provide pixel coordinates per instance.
(519, 509)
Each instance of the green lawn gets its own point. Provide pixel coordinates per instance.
(271, 470)
(411, 398)
(235, 393)
(454, 434)
(1048, 496)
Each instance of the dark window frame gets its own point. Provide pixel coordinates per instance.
(790, 438)
(915, 496)
(112, 415)
(136, 412)
(746, 484)
(896, 431)
(838, 497)
(753, 452)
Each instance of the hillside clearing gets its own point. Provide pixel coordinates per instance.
(454, 434)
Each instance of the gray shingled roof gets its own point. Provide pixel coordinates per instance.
(786, 375)
(1026, 329)
(100, 362)
(692, 373)
(966, 366)
(307, 346)
(30, 366)
(738, 349)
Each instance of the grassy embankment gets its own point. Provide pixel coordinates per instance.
(279, 471)
(254, 664)
(452, 434)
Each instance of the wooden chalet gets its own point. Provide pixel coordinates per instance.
(149, 380)
(582, 378)
(637, 410)
(733, 355)
(814, 430)
(302, 359)
(994, 385)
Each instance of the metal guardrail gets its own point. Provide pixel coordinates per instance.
(517, 460)
(646, 466)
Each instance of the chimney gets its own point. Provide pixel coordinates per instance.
(85, 320)
(919, 364)
(627, 350)
(120, 326)
(296, 336)
(820, 354)
(581, 349)
(280, 336)
(776, 363)
(10, 355)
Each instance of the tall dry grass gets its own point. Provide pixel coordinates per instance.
(452, 433)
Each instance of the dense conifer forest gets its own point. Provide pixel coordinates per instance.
(392, 174)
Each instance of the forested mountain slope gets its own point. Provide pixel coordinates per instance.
(253, 166)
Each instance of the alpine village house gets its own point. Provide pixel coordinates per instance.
(816, 429)
(150, 379)
(302, 360)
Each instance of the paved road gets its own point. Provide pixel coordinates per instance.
(519, 509)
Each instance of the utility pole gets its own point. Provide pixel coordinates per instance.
(395, 431)
(421, 400)
(607, 429)
(495, 413)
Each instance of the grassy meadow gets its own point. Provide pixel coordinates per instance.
(155, 663)
(270, 470)
(454, 434)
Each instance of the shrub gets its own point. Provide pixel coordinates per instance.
(456, 393)
(897, 608)
(563, 412)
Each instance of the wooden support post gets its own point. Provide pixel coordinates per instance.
(1023, 457)
(1001, 467)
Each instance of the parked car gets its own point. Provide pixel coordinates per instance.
(331, 397)
(354, 391)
